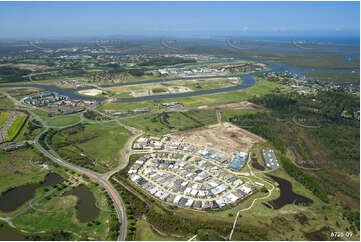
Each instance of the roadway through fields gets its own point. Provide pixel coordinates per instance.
(102, 179)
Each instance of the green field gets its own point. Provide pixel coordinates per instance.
(16, 126)
(21, 167)
(63, 120)
(229, 113)
(162, 123)
(60, 213)
(159, 90)
(6, 103)
(145, 232)
(3, 118)
(42, 114)
(84, 144)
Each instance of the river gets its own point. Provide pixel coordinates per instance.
(248, 81)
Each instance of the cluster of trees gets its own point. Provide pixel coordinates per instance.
(276, 102)
(8, 73)
(113, 227)
(90, 114)
(310, 182)
(265, 125)
(56, 235)
(353, 218)
(136, 72)
(337, 138)
(166, 61)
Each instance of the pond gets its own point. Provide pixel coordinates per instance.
(7, 234)
(257, 165)
(13, 198)
(287, 196)
(85, 207)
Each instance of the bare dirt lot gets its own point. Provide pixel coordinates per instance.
(224, 137)
(91, 92)
(236, 106)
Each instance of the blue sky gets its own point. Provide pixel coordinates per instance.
(80, 19)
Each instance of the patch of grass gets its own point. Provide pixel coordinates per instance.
(3, 118)
(230, 113)
(86, 144)
(63, 120)
(42, 114)
(6, 102)
(159, 90)
(162, 123)
(63, 215)
(145, 232)
(16, 126)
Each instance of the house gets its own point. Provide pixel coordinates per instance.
(189, 203)
(197, 204)
(183, 201)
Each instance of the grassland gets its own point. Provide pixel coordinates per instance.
(19, 160)
(230, 113)
(16, 126)
(144, 232)
(86, 144)
(43, 114)
(63, 120)
(6, 103)
(60, 213)
(21, 167)
(3, 118)
(162, 123)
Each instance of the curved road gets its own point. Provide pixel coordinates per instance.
(118, 202)
(102, 179)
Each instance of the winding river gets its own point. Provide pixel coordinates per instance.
(248, 81)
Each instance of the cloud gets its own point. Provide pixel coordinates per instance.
(244, 28)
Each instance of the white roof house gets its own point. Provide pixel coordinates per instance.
(237, 182)
(232, 197)
(220, 202)
(246, 189)
(158, 145)
(176, 199)
(142, 140)
(189, 203)
(187, 190)
(194, 192)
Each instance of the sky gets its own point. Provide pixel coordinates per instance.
(88, 19)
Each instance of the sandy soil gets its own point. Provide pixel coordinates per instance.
(224, 137)
(91, 92)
